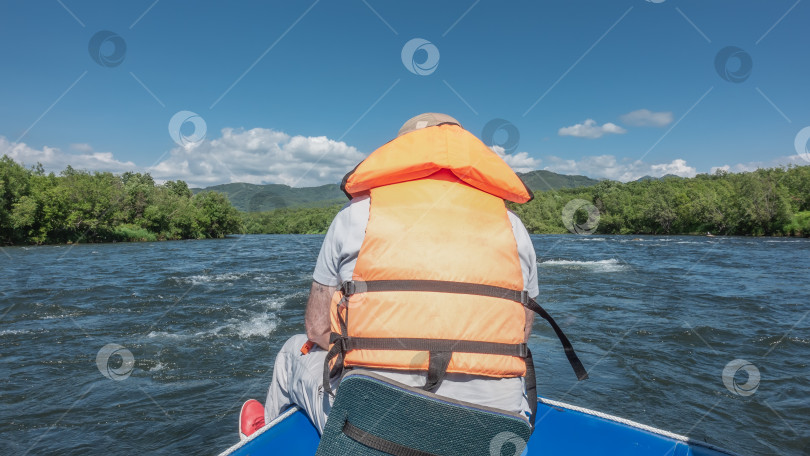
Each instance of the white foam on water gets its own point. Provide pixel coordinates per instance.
(166, 335)
(60, 317)
(257, 326)
(9, 332)
(591, 239)
(252, 325)
(226, 277)
(157, 367)
(611, 265)
(271, 303)
(260, 325)
(208, 278)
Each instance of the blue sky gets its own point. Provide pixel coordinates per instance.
(299, 92)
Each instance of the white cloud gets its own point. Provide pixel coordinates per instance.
(608, 167)
(589, 129)
(797, 160)
(260, 156)
(647, 118)
(738, 168)
(520, 162)
(678, 167)
(53, 159)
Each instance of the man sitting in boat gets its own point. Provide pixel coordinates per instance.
(424, 277)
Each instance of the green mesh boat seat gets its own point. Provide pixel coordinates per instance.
(373, 415)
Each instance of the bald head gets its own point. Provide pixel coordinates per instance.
(428, 119)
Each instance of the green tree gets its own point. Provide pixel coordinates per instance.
(178, 188)
(139, 190)
(216, 217)
(14, 185)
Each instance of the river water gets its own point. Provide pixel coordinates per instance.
(191, 329)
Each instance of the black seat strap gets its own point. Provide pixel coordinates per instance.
(379, 443)
(531, 387)
(337, 350)
(573, 359)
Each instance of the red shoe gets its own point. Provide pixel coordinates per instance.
(251, 418)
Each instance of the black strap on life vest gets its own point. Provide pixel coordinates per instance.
(441, 350)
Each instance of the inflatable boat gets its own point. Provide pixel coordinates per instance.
(559, 429)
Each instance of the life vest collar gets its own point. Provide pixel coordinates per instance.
(423, 152)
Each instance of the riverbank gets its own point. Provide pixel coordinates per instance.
(79, 206)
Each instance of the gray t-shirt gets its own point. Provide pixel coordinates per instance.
(335, 265)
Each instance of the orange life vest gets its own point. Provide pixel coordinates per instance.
(437, 286)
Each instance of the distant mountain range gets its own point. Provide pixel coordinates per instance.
(652, 178)
(258, 198)
(542, 180)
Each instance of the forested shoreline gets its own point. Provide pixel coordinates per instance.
(766, 202)
(769, 202)
(80, 206)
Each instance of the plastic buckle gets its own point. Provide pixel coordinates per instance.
(348, 288)
(524, 297)
(524, 350)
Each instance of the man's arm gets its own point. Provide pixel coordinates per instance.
(528, 265)
(316, 318)
(527, 330)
